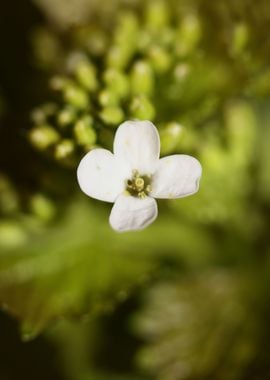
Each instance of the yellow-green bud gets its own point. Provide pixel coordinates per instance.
(40, 114)
(108, 98)
(12, 234)
(160, 59)
(9, 201)
(84, 133)
(145, 40)
(141, 108)
(240, 38)
(167, 37)
(125, 42)
(43, 136)
(116, 57)
(66, 116)
(127, 30)
(157, 15)
(91, 38)
(64, 149)
(117, 82)
(112, 115)
(142, 79)
(58, 83)
(189, 138)
(170, 135)
(42, 207)
(188, 35)
(181, 71)
(86, 75)
(76, 96)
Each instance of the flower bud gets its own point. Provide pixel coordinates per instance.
(66, 116)
(112, 115)
(12, 234)
(239, 39)
(64, 149)
(84, 134)
(127, 30)
(42, 207)
(42, 113)
(58, 83)
(117, 82)
(117, 57)
(142, 79)
(188, 35)
(43, 136)
(170, 135)
(76, 96)
(86, 75)
(108, 98)
(38, 116)
(160, 59)
(157, 15)
(9, 202)
(125, 42)
(141, 108)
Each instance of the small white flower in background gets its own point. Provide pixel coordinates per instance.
(134, 175)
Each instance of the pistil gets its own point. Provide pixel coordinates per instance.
(138, 185)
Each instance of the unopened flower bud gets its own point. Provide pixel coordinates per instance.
(9, 201)
(57, 83)
(84, 133)
(108, 98)
(112, 115)
(12, 234)
(189, 34)
(141, 108)
(43, 136)
(125, 42)
(42, 207)
(66, 116)
(170, 135)
(76, 96)
(86, 75)
(142, 79)
(117, 82)
(240, 38)
(160, 59)
(64, 149)
(157, 15)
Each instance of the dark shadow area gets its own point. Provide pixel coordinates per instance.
(25, 361)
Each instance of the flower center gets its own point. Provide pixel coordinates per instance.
(138, 185)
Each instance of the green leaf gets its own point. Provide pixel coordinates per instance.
(79, 265)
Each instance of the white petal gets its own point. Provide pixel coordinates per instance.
(138, 144)
(101, 175)
(177, 176)
(131, 213)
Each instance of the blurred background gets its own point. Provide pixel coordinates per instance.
(187, 298)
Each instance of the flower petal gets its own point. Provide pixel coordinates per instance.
(177, 176)
(138, 144)
(131, 213)
(101, 175)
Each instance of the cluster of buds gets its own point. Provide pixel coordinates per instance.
(128, 77)
(150, 63)
(20, 215)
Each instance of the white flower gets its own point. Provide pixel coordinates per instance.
(134, 175)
